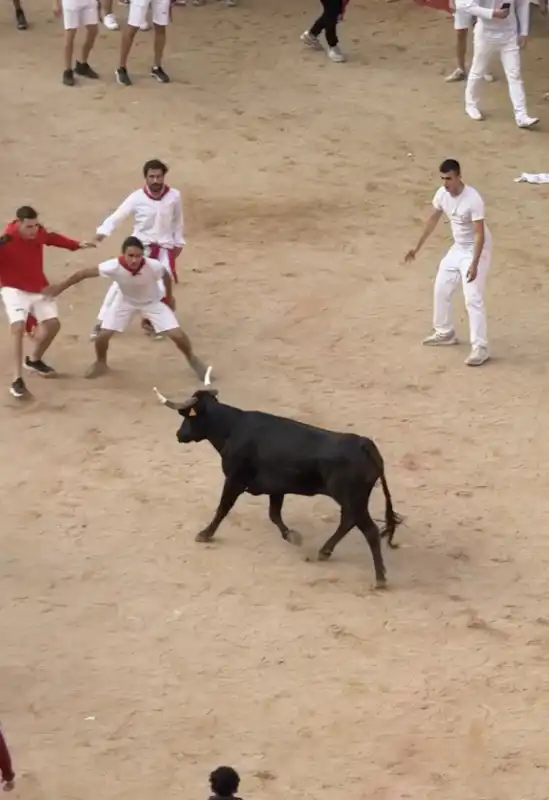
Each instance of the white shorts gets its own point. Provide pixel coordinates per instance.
(138, 12)
(462, 20)
(74, 18)
(118, 315)
(19, 305)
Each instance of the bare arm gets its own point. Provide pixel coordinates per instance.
(179, 237)
(427, 231)
(77, 277)
(480, 238)
(168, 288)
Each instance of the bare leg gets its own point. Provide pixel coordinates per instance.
(183, 344)
(17, 335)
(275, 515)
(70, 36)
(232, 490)
(159, 44)
(46, 333)
(371, 533)
(91, 36)
(128, 35)
(106, 7)
(347, 521)
(101, 349)
(20, 15)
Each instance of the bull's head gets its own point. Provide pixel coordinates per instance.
(194, 427)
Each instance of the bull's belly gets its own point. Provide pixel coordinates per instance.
(307, 486)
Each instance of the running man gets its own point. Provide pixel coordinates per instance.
(78, 14)
(158, 223)
(23, 283)
(136, 277)
(467, 260)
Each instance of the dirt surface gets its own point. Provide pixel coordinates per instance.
(134, 660)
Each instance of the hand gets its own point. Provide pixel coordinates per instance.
(99, 237)
(87, 245)
(56, 13)
(410, 256)
(472, 273)
(522, 42)
(170, 301)
(500, 13)
(53, 290)
(452, 6)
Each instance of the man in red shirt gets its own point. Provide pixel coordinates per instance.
(7, 775)
(23, 280)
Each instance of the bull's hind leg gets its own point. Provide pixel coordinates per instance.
(231, 492)
(346, 522)
(370, 530)
(275, 515)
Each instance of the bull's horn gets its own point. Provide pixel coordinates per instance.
(171, 404)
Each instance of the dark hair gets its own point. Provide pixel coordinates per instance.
(224, 781)
(154, 163)
(133, 241)
(26, 212)
(450, 165)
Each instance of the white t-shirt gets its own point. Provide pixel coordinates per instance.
(462, 211)
(137, 288)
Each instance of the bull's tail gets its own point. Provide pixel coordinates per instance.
(392, 519)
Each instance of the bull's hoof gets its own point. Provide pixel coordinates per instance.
(324, 555)
(380, 584)
(203, 536)
(294, 537)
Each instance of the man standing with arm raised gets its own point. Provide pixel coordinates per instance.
(468, 261)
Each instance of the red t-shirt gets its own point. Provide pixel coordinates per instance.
(22, 260)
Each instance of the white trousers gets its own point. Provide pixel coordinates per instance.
(453, 269)
(114, 291)
(509, 53)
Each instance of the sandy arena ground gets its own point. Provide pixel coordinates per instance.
(134, 660)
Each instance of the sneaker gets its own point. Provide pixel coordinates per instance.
(527, 122)
(160, 75)
(84, 69)
(21, 20)
(335, 55)
(311, 41)
(441, 339)
(18, 388)
(68, 77)
(457, 75)
(145, 27)
(489, 78)
(95, 331)
(198, 2)
(477, 356)
(122, 76)
(39, 367)
(474, 113)
(231, 3)
(110, 23)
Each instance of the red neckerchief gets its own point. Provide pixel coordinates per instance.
(136, 271)
(163, 193)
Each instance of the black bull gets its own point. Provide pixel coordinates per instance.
(264, 454)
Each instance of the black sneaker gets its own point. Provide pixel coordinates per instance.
(21, 20)
(68, 77)
(84, 69)
(122, 76)
(18, 388)
(160, 75)
(39, 367)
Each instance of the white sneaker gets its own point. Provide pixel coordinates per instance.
(311, 41)
(489, 78)
(527, 122)
(441, 339)
(477, 356)
(145, 27)
(110, 23)
(457, 75)
(230, 3)
(335, 55)
(474, 113)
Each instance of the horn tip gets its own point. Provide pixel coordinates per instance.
(159, 395)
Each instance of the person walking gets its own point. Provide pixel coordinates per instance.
(332, 13)
(137, 279)
(137, 19)
(23, 282)
(158, 222)
(501, 29)
(468, 261)
(78, 14)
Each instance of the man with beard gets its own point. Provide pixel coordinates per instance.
(158, 223)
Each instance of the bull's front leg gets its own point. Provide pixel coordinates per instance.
(275, 515)
(232, 490)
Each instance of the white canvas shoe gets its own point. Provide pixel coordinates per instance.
(527, 122)
(441, 339)
(311, 41)
(477, 356)
(335, 55)
(474, 113)
(110, 23)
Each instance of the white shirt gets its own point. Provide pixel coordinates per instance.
(155, 221)
(463, 211)
(516, 24)
(137, 289)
